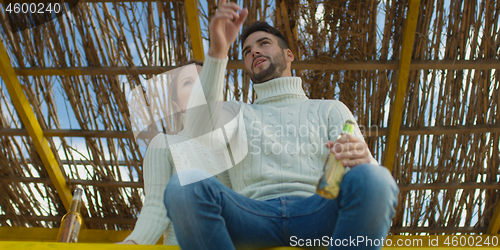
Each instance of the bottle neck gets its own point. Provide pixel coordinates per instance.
(75, 206)
(76, 203)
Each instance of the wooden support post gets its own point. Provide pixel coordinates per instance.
(29, 120)
(194, 29)
(403, 72)
(494, 225)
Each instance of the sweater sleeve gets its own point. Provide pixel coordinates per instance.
(153, 219)
(339, 114)
(211, 121)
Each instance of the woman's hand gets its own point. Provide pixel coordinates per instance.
(127, 242)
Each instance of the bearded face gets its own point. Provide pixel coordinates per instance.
(264, 58)
(268, 67)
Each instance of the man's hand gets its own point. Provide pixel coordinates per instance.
(224, 28)
(351, 150)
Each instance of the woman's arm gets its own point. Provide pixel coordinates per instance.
(210, 121)
(157, 168)
(206, 112)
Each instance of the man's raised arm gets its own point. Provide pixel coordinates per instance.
(203, 113)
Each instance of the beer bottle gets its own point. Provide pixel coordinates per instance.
(329, 185)
(72, 220)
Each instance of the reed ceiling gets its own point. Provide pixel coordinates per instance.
(447, 158)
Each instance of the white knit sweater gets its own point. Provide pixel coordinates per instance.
(283, 130)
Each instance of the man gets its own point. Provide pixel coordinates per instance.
(274, 201)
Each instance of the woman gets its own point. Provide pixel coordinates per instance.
(158, 166)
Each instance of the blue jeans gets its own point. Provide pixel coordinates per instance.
(208, 215)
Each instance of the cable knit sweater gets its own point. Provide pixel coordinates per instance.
(283, 130)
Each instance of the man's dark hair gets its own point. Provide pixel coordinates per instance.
(263, 26)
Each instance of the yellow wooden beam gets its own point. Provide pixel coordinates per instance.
(494, 225)
(402, 82)
(194, 28)
(30, 121)
(39, 234)
(29, 245)
(391, 242)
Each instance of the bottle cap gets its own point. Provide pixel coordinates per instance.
(78, 193)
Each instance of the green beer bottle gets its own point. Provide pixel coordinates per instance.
(329, 185)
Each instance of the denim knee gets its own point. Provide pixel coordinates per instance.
(178, 197)
(170, 196)
(372, 181)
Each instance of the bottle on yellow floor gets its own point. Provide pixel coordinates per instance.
(333, 172)
(72, 220)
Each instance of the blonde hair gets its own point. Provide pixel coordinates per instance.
(173, 102)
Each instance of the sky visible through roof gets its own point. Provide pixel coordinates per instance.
(80, 152)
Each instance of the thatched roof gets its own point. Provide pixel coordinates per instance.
(76, 70)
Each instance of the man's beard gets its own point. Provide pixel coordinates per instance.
(277, 65)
